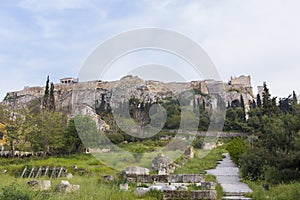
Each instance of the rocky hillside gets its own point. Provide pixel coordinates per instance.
(71, 93)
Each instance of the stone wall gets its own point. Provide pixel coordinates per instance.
(197, 194)
(241, 80)
(171, 178)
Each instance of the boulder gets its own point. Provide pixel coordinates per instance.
(124, 186)
(69, 176)
(208, 185)
(39, 184)
(160, 161)
(182, 187)
(141, 191)
(135, 170)
(108, 178)
(66, 187)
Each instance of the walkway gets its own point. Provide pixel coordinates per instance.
(227, 174)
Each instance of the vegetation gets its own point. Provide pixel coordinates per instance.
(269, 155)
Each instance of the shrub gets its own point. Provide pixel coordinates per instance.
(11, 193)
(252, 164)
(236, 148)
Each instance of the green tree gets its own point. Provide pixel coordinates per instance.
(89, 133)
(243, 117)
(258, 101)
(294, 99)
(52, 98)
(45, 131)
(46, 95)
(269, 104)
(72, 141)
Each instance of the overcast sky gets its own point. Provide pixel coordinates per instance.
(260, 38)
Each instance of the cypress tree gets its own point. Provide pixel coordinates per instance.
(46, 95)
(51, 98)
(253, 104)
(243, 107)
(294, 99)
(269, 104)
(266, 97)
(258, 101)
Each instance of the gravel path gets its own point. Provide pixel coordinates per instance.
(227, 174)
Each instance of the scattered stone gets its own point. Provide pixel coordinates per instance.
(168, 187)
(236, 198)
(108, 178)
(66, 187)
(74, 167)
(190, 152)
(3, 171)
(39, 184)
(124, 186)
(182, 187)
(141, 191)
(208, 185)
(69, 176)
(156, 187)
(163, 164)
(197, 194)
(160, 161)
(209, 146)
(135, 170)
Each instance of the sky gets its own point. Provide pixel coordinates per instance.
(260, 38)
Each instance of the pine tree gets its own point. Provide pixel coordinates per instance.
(258, 101)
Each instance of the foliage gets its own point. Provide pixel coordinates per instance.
(11, 192)
(278, 192)
(202, 161)
(236, 148)
(274, 154)
(72, 141)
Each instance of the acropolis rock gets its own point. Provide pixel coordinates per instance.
(71, 90)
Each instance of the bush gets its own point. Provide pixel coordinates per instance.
(198, 142)
(252, 164)
(11, 193)
(236, 148)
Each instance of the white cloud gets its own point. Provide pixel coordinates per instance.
(38, 5)
(258, 37)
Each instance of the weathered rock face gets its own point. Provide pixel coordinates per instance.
(69, 94)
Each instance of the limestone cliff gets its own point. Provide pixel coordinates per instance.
(70, 91)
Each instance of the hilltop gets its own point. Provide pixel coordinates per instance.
(71, 89)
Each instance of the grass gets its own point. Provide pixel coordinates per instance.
(91, 186)
(199, 164)
(290, 191)
(202, 161)
(82, 161)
